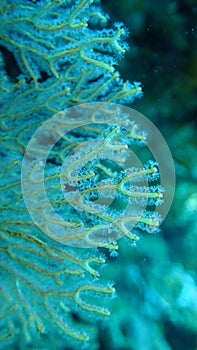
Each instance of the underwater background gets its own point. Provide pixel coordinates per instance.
(156, 280)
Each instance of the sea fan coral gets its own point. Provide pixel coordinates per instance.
(55, 55)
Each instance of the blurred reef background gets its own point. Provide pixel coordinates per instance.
(157, 280)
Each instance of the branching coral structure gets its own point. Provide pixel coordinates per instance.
(54, 55)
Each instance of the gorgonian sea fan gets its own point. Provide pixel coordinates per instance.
(55, 54)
